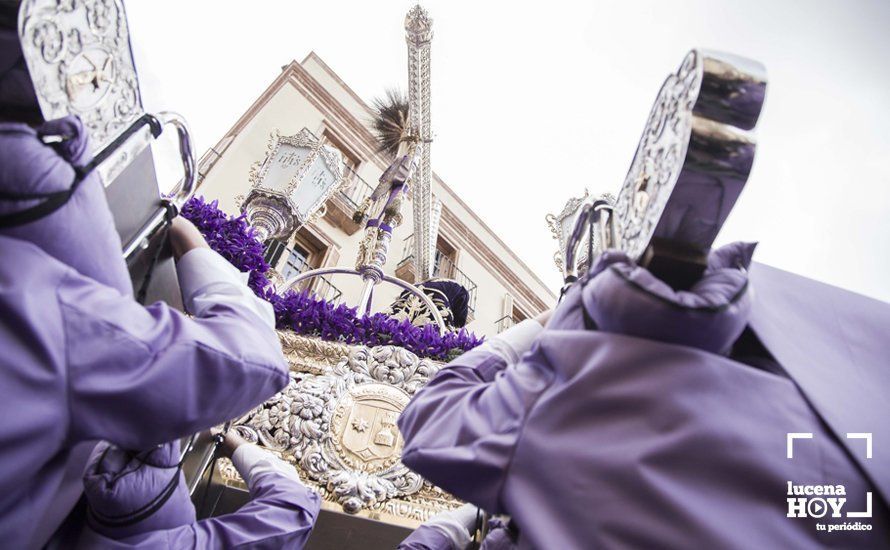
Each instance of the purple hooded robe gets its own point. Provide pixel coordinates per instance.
(280, 514)
(81, 360)
(594, 439)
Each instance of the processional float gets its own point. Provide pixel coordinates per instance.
(336, 420)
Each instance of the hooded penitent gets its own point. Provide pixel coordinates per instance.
(630, 422)
(81, 361)
(132, 493)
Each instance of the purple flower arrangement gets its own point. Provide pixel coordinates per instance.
(307, 315)
(232, 238)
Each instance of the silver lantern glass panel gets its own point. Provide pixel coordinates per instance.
(284, 166)
(290, 186)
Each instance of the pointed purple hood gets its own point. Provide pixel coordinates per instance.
(131, 493)
(81, 233)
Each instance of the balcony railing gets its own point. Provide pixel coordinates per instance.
(504, 323)
(323, 288)
(354, 189)
(445, 268)
(289, 263)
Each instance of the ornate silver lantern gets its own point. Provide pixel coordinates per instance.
(577, 245)
(290, 186)
(562, 224)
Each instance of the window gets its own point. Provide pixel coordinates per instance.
(511, 314)
(297, 262)
(305, 253)
(518, 315)
(446, 259)
(309, 249)
(289, 262)
(350, 159)
(274, 249)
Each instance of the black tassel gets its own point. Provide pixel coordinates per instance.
(390, 122)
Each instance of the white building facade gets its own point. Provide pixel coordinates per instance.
(310, 95)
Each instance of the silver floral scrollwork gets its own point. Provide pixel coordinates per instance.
(659, 157)
(338, 424)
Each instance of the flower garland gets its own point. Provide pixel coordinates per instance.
(307, 315)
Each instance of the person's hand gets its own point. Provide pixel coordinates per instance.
(184, 236)
(231, 442)
(544, 317)
(458, 525)
(466, 515)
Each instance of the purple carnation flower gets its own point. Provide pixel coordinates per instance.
(307, 315)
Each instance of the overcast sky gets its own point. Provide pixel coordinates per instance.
(533, 102)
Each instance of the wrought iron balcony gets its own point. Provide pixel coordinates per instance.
(354, 189)
(287, 263)
(445, 268)
(343, 203)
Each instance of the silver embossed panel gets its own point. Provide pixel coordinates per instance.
(336, 422)
(78, 55)
(695, 154)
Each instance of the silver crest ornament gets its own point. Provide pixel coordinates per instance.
(363, 426)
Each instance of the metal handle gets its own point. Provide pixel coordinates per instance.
(594, 215)
(603, 216)
(573, 243)
(111, 161)
(186, 186)
(181, 193)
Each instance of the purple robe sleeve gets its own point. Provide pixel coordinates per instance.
(427, 538)
(139, 376)
(281, 512)
(446, 530)
(460, 430)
